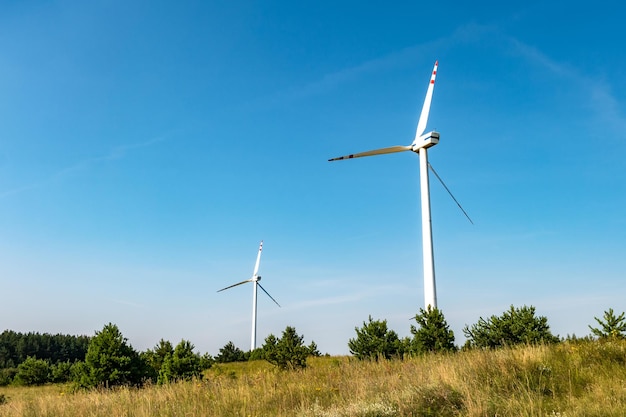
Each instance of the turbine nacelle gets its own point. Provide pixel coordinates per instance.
(425, 141)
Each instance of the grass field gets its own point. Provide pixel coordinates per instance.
(569, 379)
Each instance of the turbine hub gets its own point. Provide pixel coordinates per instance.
(425, 141)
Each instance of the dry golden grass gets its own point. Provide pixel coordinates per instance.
(569, 379)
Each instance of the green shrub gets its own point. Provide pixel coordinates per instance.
(256, 354)
(513, 327)
(110, 361)
(154, 358)
(611, 326)
(433, 334)
(375, 341)
(288, 352)
(61, 372)
(32, 371)
(230, 353)
(7, 375)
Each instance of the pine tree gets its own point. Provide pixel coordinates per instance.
(374, 341)
(433, 334)
(110, 361)
(611, 326)
(513, 327)
(288, 352)
(33, 371)
(230, 353)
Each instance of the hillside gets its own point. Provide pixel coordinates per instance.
(581, 378)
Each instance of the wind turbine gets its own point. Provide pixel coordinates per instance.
(255, 280)
(420, 144)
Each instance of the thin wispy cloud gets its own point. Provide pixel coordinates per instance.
(118, 152)
(115, 153)
(371, 292)
(402, 57)
(602, 103)
(342, 76)
(345, 75)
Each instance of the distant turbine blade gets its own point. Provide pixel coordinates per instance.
(421, 125)
(382, 151)
(268, 294)
(234, 285)
(258, 260)
(449, 192)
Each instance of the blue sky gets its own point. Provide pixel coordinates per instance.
(146, 148)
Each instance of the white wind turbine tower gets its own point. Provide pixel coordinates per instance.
(255, 280)
(420, 144)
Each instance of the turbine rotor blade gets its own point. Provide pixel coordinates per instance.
(449, 192)
(382, 151)
(268, 294)
(234, 285)
(421, 125)
(258, 260)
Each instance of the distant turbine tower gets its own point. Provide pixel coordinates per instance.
(255, 280)
(420, 144)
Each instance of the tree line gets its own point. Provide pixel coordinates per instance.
(432, 334)
(16, 347)
(107, 359)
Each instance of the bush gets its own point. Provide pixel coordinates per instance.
(513, 327)
(288, 352)
(182, 364)
(256, 354)
(433, 334)
(206, 361)
(110, 361)
(230, 353)
(375, 341)
(154, 358)
(186, 363)
(611, 326)
(313, 350)
(32, 371)
(61, 372)
(7, 375)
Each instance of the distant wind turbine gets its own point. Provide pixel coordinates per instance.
(420, 144)
(255, 280)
